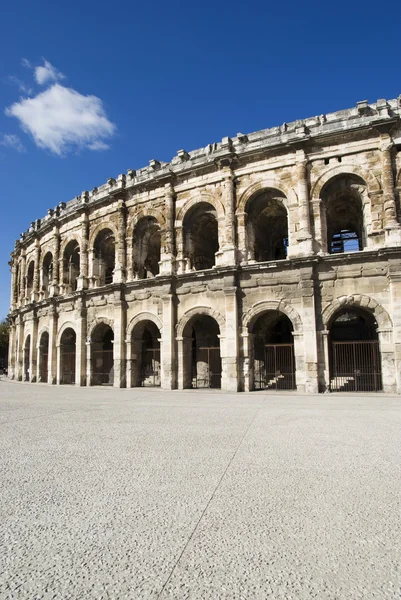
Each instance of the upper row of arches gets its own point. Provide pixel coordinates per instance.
(345, 211)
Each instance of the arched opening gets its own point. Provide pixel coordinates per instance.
(273, 352)
(146, 350)
(29, 278)
(267, 226)
(201, 237)
(47, 273)
(102, 357)
(17, 289)
(43, 357)
(71, 261)
(104, 257)
(27, 359)
(342, 202)
(67, 356)
(147, 248)
(202, 359)
(355, 362)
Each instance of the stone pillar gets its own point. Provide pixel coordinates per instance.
(11, 351)
(36, 273)
(80, 348)
(82, 279)
(391, 225)
(227, 251)
(120, 271)
(167, 257)
(180, 260)
(120, 318)
(128, 354)
(230, 358)
(33, 354)
(23, 278)
(19, 349)
(309, 331)
(88, 344)
(168, 363)
(52, 358)
(304, 237)
(326, 359)
(242, 241)
(130, 263)
(389, 366)
(247, 361)
(184, 362)
(57, 265)
(392, 344)
(13, 284)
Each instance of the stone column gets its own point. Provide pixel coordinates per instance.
(82, 280)
(33, 354)
(390, 343)
(52, 358)
(167, 257)
(128, 354)
(230, 372)
(57, 264)
(242, 241)
(391, 225)
(120, 271)
(23, 278)
(326, 359)
(36, 273)
(247, 361)
(227, 252)
(168, 363)
(80, 348)
(18, 349)
(180, 260)
(120, 326)
(11, 351)
(304, 237)
(309, 331)
(130, 263)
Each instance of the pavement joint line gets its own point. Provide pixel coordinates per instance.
(208, 503)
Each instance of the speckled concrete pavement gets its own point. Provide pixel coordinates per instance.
(137, 494)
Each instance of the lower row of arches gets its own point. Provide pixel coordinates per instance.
(353, 354)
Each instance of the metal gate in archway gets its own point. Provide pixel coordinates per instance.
(43, 366)
(277, 372)
(356, 367)
(210, 375)
(150, 370)
(67, 375)
(102, 367)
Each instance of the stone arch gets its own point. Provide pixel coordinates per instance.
(66, 240)
(98, 228)
(251, 316)
(43, 251)
(133, 219)
(143, 316)
(201, 310)
(42, 330)
(99, 321)
(200, 196)
(64, 326)
(266, 183)
(344, 169)
(359, 301)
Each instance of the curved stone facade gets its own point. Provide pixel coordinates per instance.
(268, 261)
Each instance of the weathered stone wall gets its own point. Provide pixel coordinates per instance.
(224, 204)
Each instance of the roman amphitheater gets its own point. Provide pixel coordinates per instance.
(270, 260)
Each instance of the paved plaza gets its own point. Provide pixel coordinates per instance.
(131, 494)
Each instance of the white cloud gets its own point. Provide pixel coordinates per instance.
(61, 119)
(9, 140)
(25, 63)
(47, 73)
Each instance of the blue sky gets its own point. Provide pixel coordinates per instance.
(90, 89)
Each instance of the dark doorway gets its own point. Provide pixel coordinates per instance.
(206, 359)
(43, 357)
(67, 356)
(355, 362)
(273, 353)
(102, 355)
(27, 359)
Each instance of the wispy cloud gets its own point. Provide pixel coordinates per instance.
(60, 119)
(25, 63)
(21, 85)
(47, 73)
(9, 140)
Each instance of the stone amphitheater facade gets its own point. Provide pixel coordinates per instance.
(266, 261)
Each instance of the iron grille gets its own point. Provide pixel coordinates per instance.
(356, 367)
(102, 367)
(277, 371)
(210, 376)
(150, 375)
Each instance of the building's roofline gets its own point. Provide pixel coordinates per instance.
(362, 116)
